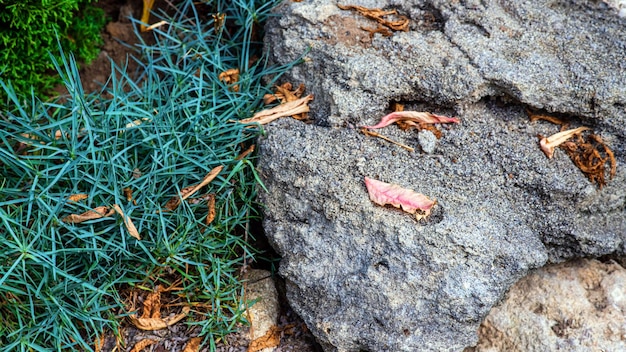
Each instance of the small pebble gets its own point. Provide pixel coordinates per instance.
(427, 140)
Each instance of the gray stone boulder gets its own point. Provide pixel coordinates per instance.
(371, 278)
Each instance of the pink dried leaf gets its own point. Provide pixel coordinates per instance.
(413, 116)
(548, 144)
(410, 201)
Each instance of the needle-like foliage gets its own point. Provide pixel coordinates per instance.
(62, 284)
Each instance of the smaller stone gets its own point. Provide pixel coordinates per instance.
(427, 140)
(263, 315)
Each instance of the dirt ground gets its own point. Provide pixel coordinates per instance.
(117, 36)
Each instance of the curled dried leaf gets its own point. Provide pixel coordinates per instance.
(230, 77)
(378, 15)
(77, 197)
(193, 345)
(410, 201)
(211, 212)
(139, 346)
(288, 109)
(548, 144)
(95, 213)
(130, 227)
(412, 118)
(188, 191)
(555, 120)
(158, 323)
(587, 156)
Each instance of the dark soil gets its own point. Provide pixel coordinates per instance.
(119, 37)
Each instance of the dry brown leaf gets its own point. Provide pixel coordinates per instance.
(128, 193)
(77, 197)
(193, 345)
(139, 346)
(367, 132)
(152, 306)
(587, 157)
(151, 324)
(555, 120)
(245, 152)
(401, 24)
(130, 227)
(95, 213)
(230, 78)
(548, 144)
(410, 201)
(186, 192)
(288, 109)
(385, 32)
(270, 339)
(285, 94)
(210, 216)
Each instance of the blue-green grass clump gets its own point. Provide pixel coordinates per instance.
(153, 132)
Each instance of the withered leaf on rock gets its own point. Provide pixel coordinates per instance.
(139, 346)
(412, 118)
(288, 109)
(378, 15)
(548, 144)
(408, 200)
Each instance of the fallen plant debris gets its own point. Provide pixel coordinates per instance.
(193, 345)
(139, 346)
(287, 109)
(587, 157)
(397, 107)
(95, 213)
(188, 191)
(245, 153)
(367, 132)
(151, 319)
(408, 200)
(132, 230)
(230, 78)
(378, 15)
(548, 144)
(210, 216)
(78, 197)
(555, 120)
(270, 339)
(285, 94)
(412, 118)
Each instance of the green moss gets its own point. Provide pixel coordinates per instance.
(28, 35)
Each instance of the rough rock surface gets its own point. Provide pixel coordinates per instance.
(574, 306)
(370, 278)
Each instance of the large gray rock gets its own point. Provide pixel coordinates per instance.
(365, 277)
